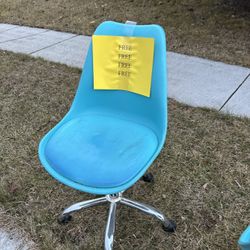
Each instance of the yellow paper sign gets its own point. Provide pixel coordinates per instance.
(123, 63)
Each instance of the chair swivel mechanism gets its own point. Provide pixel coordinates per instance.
(109, 138)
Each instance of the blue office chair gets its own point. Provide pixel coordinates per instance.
(244, 241)
(109, 138)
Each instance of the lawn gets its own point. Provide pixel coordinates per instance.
(201, 176)
(214, 29)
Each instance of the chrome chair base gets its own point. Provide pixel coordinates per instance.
(168, 225)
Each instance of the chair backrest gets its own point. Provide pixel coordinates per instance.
(150, 111)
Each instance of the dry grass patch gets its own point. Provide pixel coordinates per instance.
(215, 29)
(201, 176)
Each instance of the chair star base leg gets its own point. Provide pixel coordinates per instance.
(113, 199)
(147, 209)
(84, 204)
(110, 227)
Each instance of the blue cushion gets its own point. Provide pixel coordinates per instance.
(100, 151)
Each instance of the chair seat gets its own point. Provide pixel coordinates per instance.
(100, 151)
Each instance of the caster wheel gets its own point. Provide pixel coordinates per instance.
(148, 177)
(169, 226)
(64, 218)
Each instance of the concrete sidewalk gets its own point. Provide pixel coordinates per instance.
(195, 81)
(14, 241)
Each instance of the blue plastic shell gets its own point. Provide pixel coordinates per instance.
(109, 138)
(244, 241)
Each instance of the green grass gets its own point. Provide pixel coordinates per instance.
(215, 29)
(201, 176)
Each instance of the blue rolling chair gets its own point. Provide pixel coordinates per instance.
(244, 241)
(109, 138)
